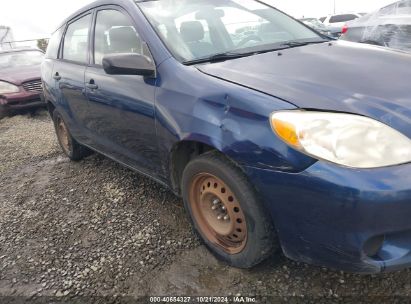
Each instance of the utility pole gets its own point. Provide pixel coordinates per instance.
(4, 31)
(6, 37)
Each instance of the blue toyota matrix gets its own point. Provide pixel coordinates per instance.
(275, 136)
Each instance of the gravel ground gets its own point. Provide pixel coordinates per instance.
(95, 230)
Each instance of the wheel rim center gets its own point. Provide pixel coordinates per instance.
(216, 213)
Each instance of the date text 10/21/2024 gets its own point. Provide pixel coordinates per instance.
(234, 299)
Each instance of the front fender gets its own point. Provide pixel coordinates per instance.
(192, 106)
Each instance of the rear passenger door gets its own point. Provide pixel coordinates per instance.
(69, 72)
(121, 108)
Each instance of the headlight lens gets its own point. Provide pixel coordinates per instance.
(6, 88)
(345, 139)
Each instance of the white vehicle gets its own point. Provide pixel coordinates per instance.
(340, 20)
(390, 26)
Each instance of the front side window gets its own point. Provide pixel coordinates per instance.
(115, 33)
(76, 40)
(196, 29)
(20, 59)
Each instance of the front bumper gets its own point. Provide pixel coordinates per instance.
(22, 100)
(331, 216)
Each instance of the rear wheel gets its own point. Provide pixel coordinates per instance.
(70, 146)
(226, 212)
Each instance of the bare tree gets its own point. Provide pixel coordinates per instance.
(42, 44)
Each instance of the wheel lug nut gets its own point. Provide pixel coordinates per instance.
(223, 207)
(214, 207)
(219, 217)
(226, 218)
(216, 202)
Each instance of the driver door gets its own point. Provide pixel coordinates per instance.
(121, 108)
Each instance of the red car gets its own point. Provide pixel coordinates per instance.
(20, 81)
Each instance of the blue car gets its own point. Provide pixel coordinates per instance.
(275, 137)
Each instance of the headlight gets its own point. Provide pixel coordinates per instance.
(6, 88)
(345, 139)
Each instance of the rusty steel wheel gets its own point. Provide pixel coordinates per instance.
(226, 212)
(63, 135)
(218, 213)
(74, 150)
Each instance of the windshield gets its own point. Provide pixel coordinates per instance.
(315, 23)
(22, 58)
(195, 29)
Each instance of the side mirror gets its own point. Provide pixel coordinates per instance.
(129, 64)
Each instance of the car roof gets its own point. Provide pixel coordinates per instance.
(90, 7)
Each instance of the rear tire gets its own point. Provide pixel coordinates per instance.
(70, 146)
(226, 212)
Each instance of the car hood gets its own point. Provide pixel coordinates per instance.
(18, 75)
(339, 76)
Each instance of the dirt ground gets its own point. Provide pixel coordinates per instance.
(70, 231)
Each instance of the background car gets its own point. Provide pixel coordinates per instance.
(338, 21)
(20, 80)
(320, 27)
(389, 26)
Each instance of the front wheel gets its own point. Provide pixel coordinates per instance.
(3, 112)
(226, 212)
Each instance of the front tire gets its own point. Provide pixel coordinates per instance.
(3, 112)
(70, 146)
(226, 212)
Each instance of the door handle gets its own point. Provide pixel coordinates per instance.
(57, 76)
(92, 85)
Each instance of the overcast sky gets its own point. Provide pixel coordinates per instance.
(31, 19)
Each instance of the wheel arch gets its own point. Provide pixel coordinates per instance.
(180, 155)
(50, 107)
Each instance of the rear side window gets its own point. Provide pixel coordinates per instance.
(343, 18)
(76, 40)
(388, 10)
(404, 7)
(406, 3)
(115, 33)
(398, 8)
(54, 45)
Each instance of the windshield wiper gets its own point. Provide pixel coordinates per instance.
(292, 44)
(219, 57)
(232, 55)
